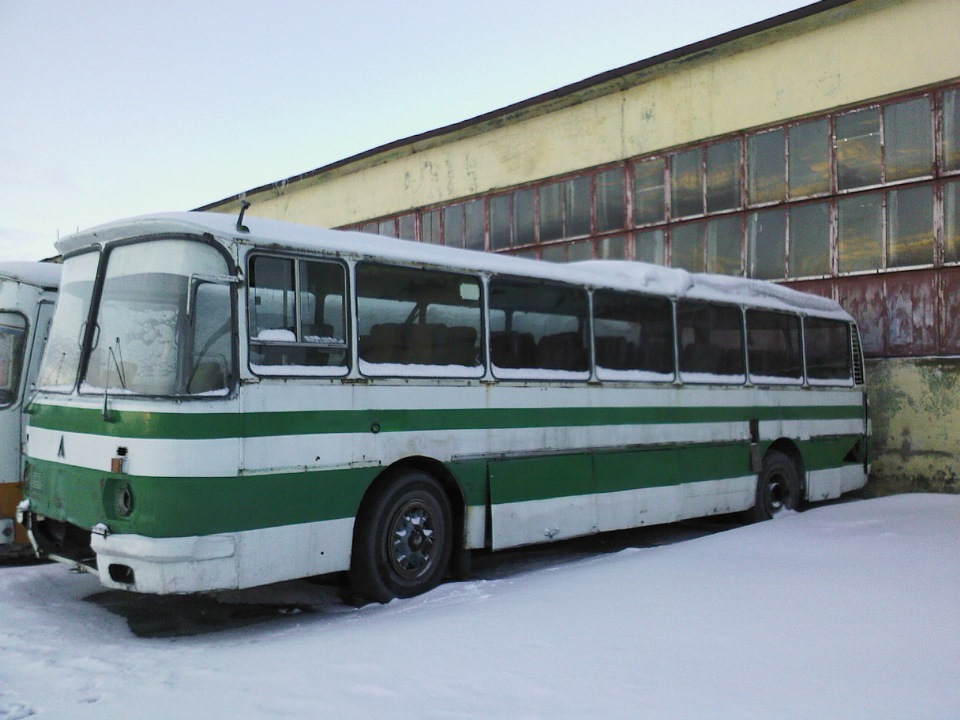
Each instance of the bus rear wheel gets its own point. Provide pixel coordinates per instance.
(403, 541)
(778, 487)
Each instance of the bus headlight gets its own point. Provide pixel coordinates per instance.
(123, 501)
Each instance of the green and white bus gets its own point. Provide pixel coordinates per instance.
(224, 407)
(28, 291)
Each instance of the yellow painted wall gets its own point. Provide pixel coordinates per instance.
(915, 407)
(856, 52)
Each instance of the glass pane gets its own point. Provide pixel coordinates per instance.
(951, 221)
(773, 345)
(610, 205)
(523, 218)
(61, 358)
(648, 192)
(724, 245)
(370, 227)
(908, 138)
(551, 208)
(407, 224)
(860, 233)
(430, 227)
(765, 167)
(410, 317)
(538, 326)
(686, 191)
(951, 130)
(910, 226)
(387, 228)
(612, 248)
(686, 246)
(501, 221)
(632, 333)
(12, 333)
(709, 341)
(554, 253)
(272, 302)
(827, 347)
(809, 158)
(582, 250)
(577, 206)
(453, 226)
(649, 247)
(858, 148)
(723, 176)
(766, 240)
(810, 240)
(473, 225)
(322, 307)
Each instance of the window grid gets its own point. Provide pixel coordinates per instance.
(641, 225)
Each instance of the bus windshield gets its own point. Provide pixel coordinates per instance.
(163, 324)
(12, 331)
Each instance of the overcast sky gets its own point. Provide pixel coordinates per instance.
(115, 108)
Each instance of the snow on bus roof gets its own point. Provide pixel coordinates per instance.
(614, 274)
(41, 274)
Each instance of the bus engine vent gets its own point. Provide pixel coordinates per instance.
(857, 357)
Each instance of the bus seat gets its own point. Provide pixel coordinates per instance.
(459, 346)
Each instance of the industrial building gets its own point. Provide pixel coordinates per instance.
(819, 148)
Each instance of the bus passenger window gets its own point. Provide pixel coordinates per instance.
(538, 329)
(773, 347)
(633, 337)
(416, 322)
(710, 342)
(827, 346)
(297, 317)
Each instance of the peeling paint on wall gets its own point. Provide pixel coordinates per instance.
(915, 409)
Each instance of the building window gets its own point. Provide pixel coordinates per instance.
(430, 227)
(686, 246)
(649, 247)
(686, 184)
(951, 130)
(766, 243)
(910, 226)
(809, 240)
(723, 242)
(860, 232)
(951, 221)
(765, 167)
(908, 139)
(610, 208)
(858, 149)
(809, 148)
(649, 199)
(723, 176)
(612, 248)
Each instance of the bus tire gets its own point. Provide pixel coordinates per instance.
(403, 541)
(778, 487)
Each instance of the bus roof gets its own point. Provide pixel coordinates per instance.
(613, 274)
(42, 274)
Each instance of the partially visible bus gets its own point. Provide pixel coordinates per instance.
(224, 407)
(28, 291)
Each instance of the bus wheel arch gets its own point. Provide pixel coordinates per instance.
(779, 482)
(407, 529)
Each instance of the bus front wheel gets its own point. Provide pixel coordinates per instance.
(403, 540)
(778, 487)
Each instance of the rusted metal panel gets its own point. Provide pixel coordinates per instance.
(911, 309)
(950, 315)
(863, 297)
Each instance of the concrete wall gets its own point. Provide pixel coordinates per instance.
(915, 407)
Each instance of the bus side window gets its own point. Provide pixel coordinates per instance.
(710, 342)
(290, 328)
(633, 336)
(773, 345)
(827, 346)
(538, 326)
(418, 322)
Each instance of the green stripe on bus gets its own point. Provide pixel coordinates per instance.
(206, 426)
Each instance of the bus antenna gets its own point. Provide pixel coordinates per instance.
(244, 204)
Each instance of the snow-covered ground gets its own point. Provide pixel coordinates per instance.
(844, 611)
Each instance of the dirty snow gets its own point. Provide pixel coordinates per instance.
(849, 610)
